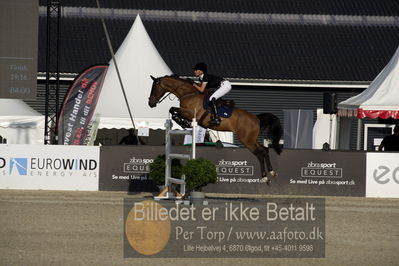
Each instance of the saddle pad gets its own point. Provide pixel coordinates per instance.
(223, 110)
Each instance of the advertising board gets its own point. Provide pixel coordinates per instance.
(51, 167)
(301, 172)
(126, 168)
(382, 178)
(318, 172)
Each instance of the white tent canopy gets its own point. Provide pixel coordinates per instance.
(137, 59)
(19, 123)
(380, 99)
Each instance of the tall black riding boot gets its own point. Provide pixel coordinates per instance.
(215, 119)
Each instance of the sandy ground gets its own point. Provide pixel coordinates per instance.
(86, 228)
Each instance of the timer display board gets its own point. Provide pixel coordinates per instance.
(18, 48)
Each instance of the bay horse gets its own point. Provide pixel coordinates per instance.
(244, 124)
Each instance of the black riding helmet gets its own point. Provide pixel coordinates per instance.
(200, 66)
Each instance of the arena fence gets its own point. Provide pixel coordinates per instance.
(126, 168)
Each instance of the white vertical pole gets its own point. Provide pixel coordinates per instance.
(168, 160)
(194, 137)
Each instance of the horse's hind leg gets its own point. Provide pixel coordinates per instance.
(261, 158)
(248, 138)
(262, 153)
(267, 161)
(259, 151)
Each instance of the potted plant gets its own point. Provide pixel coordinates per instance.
(198, 173)
(157, 170)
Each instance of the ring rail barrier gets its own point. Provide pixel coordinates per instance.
(168, 192)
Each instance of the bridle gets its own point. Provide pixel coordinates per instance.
(165, 96)
(153, 98)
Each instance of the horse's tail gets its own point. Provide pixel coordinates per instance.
(272, 125)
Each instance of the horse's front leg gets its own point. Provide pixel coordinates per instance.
(179, 118)
(174, 110)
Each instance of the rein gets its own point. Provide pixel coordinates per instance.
(164, 97)
(171, 92)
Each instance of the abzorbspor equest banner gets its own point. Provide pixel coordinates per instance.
(79, 105)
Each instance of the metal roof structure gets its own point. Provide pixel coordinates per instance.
(344, 42)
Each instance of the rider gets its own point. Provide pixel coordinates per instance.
(220, 85)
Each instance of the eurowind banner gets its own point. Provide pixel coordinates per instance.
(79, 105)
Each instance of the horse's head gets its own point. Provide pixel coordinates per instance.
(157, 91)
(172, 84)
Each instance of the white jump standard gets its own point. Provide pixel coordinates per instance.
(168, 192)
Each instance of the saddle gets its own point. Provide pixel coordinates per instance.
(224, 107)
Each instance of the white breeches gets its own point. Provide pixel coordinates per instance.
(225, 87)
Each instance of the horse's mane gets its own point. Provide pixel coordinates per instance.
(186, 80)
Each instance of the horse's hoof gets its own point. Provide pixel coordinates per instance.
(266, 180)
(273, 173)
